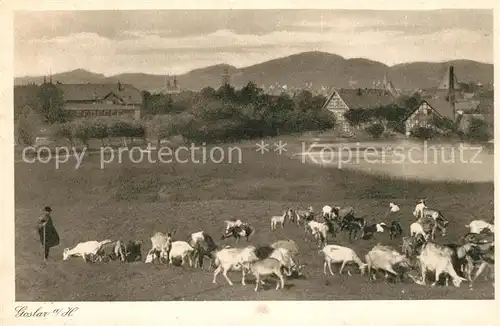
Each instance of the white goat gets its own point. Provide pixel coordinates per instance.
(384, 258)
(319, 231)
(85, 249)
(232, 223)
(339, 254)
(197, 236)
(228, 259)
(417, 228)
(438, 259)
(477, 226)
(265, 267)
(304, 214)
(419, 209)
(393, 208)
(275, 220)
(160, 246)
(285, 256)
(328, 211)
(112, 251)
(180, 249)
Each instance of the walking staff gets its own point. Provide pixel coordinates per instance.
(47, 232)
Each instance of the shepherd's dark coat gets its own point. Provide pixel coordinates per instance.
(51, 235)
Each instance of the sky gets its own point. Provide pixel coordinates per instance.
(174, 42)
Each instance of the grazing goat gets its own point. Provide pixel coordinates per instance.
(395, 230)
(285, 256)
(266, 267)
(237, 232)
(344, 213)
(339, 254)
(275, 220)
(160, 247)
(393, 208)
(437, 258)
(412, 245)
(419, 209)
(416, 228)
(85, 249)
(458, 254)
(353, 228)
(431, 224)
(287, 244)
(319, 231)
(370, 230)
(328, 211)
(479, 225)
(485, 257)
(386, 259)
(112, 251)
(306, 215)
(232, 223)
(133, 251)
(228, 259)
(204, 246)
(181, 249)
(479, 238)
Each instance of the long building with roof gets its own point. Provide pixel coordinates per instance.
(94, 100)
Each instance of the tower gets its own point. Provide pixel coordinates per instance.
(450, 83)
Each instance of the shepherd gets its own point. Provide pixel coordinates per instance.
(48, 233)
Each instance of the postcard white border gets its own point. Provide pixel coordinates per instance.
(440, 312)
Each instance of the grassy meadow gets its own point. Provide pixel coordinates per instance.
(132, 201)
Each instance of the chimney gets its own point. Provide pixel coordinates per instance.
(175, 82)
(120, 88)
(451, 90)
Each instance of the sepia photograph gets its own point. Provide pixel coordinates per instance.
(253, 155)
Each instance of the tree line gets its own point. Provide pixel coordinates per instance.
(221, 115)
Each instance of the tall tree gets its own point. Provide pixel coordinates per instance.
(249, 93)
(52, 103)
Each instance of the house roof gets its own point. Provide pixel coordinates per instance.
(419, 105)
(441, 106)
(363, 98)
(87, 92)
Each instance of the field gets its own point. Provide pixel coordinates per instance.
(132, 201)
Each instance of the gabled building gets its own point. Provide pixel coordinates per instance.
(342, 100)
(94, 100)
(423, 114)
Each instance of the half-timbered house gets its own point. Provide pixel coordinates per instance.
(342, 100)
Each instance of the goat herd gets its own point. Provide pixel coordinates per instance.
(419, 253)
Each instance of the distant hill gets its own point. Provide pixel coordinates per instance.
(296, 70)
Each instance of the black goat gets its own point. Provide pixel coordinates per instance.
(395, 230)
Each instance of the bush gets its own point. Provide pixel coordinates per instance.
(423, 133)
(99, 130)
(375, 130)
(478, 130)
(82, 130)
(64, 131)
